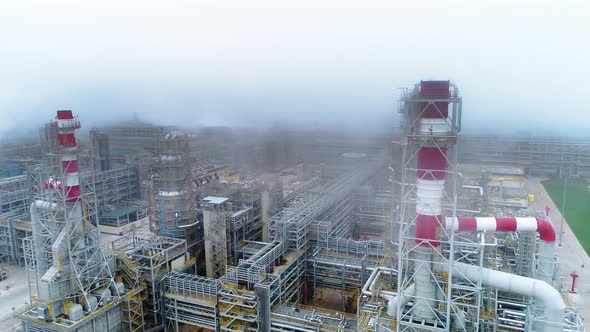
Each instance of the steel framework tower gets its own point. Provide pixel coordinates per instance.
(432, 121)
(101, 150)
(444, 271)
(71, 273)
(215, 210)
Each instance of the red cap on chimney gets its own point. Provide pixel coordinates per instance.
(64, 115)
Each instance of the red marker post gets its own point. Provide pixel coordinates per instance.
(574, 277)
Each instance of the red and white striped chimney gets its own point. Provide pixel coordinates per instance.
(66, 125)
(432, 119)
(432, 163)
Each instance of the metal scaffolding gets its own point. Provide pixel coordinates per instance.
(71, 276)
(293, 317)
(101, 151)
(375, 207)
(290, 225)
(538, 154)
(272, 274)
(215, 211)
(274, 262)
(114, 187)
(52, 219)
(142, 261)
(111, 189)
(15, 200)
(130, 140)
(191, 300)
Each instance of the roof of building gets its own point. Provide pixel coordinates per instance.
(215, 200)
(122, 211)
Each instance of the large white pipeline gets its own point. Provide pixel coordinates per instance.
(425, 289)
(554, 308)
(400, 301)
(369, 286)
(37, 230)
(392, 298)
(541, 291)
(541, 288)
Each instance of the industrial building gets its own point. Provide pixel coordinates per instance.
(158, 231)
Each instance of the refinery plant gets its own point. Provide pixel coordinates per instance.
(152, 228)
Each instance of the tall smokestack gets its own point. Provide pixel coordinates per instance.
(66, 125)
(431, 122)
(432, 163)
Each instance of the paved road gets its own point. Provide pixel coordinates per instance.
(572, 257)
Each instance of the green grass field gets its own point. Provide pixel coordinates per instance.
(577, 206)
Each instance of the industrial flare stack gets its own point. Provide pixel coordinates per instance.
(432, 131)
(71, 277)
(438, 264)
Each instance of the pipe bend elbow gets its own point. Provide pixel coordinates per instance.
(549, 295)
(545, 230)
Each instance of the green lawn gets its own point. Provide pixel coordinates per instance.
(577, 206)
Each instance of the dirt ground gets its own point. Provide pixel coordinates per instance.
(14, 295)
(328, 299)
(572, 257)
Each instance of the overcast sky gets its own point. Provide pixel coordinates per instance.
(522, 65)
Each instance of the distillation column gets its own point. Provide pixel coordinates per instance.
(174, 205)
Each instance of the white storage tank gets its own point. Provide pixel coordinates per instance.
(75, 312)
(89, 303)
(117, 288)
(103, 295)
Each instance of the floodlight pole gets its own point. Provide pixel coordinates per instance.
(567, 175)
